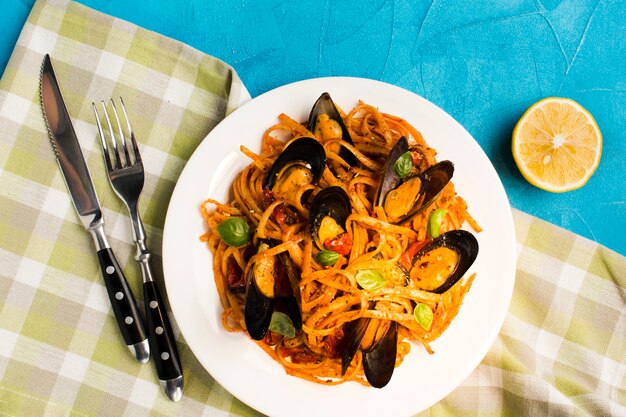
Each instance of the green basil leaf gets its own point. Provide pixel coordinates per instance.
(327, 257)
(282, 324)
(370, 279)
(403, 165)
(234, 231)
(423, 315)
(434, 222)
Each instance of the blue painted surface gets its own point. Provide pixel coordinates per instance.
(482, 64)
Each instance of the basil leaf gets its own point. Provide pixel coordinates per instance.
(423, 315)
(327, 257)
(282, 324)
(403, 165)
(434, 222)
(234, 231)
(370, 279)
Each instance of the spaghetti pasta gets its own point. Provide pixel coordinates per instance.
(331, 297)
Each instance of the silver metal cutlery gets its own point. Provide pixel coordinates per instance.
(126, 175)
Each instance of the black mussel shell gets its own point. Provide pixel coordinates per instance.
(390, 180)
(257, 311)
(351, 341)
(325, 105)
(289, 306)
(292, 302)
(331, 201)
(464, 244)
(307, 150)
(380, 361)
(435, 180)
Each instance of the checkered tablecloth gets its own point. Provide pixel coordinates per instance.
(561, 351)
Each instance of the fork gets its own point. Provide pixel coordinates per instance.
(126, 176)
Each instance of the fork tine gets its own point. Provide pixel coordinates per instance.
(105, 148)
(131, 132)
(118, 160)
(121, 134)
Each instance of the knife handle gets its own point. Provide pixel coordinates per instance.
(124, 305)
(161, 336)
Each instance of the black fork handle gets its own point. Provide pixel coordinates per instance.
(161, 336)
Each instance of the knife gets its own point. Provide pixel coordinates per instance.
(76, 175)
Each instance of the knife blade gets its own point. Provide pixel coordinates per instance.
(83, 195)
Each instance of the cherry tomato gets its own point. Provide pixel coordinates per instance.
(283, 214)
(234, 274)
(271, 338)
(407, 257)
(342, 244)
(332, 343)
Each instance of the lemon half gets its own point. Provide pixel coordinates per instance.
(557, 145)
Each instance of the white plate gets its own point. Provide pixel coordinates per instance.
(243, 368)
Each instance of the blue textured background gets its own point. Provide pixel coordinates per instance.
(483, 62)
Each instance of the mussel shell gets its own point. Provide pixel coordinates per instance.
(307, 150)
(434, 180)
(380, 361)
(325, 105)
(331, 201)
(257, 311)
(353, 335)
(291, 307)
(292, 303)
(464, 244)
(390, 180)
(259, 308)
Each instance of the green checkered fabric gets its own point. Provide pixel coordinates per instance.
(561, 351)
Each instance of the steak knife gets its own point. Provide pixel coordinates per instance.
(78, 180)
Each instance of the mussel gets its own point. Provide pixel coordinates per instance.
(443, 261)
(325, 116)
(378, 340)
(327, 219)
(404, 198)
(272, 285)
(379, 359)
(301, 162)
